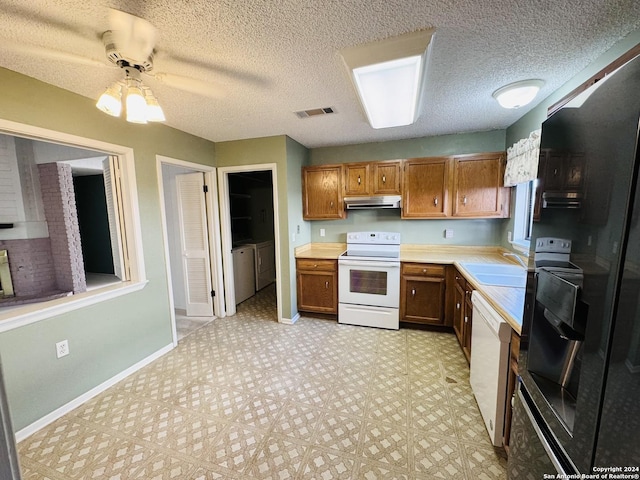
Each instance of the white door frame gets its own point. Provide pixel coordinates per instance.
(213, 223)
(227, 243)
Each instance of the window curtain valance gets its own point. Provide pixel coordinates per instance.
(522, 160)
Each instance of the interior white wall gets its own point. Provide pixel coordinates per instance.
(169, 173)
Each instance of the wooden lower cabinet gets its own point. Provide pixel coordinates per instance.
(462, 313)
(511, 386)
(317, 282)
(422, 293)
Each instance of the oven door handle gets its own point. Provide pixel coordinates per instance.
(369, 263)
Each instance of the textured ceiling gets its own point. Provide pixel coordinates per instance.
(267, 59)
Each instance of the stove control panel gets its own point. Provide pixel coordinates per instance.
(553, 245)
(377, 238)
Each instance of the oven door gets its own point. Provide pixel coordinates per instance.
(369, 282)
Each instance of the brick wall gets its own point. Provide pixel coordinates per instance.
(60, 211)
(31, 266)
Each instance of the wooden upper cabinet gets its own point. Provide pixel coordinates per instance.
(372, 178)
(322, 192)
(386, 177)
(425, 187)
(478, 186)
(357, 179)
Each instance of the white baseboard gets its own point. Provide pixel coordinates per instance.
(631, 367)
(76, 402)
(290, 321)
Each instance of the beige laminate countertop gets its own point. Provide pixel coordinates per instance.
(507, 301)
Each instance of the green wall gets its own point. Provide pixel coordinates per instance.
(108, 337)
(425, 232)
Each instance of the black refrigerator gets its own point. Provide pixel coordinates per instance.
(577, 408)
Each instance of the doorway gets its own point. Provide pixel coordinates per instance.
(250, 227)
(191, 240)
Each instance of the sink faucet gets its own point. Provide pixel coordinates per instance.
(517, 257)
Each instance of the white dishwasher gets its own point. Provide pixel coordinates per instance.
(489, 364)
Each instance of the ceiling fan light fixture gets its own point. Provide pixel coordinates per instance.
(518, 94)
(110, 102)
(135, 103)
(154, 110)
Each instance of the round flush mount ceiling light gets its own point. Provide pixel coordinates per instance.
(517, 94)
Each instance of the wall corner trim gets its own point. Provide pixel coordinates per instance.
(76, 402)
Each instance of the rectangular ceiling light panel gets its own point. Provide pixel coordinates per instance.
(389, 91)
(388, 76)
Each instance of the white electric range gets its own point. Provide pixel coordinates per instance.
(369, 280)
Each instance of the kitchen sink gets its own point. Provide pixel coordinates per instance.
(497, 274)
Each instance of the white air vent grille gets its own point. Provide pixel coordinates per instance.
(314, 112)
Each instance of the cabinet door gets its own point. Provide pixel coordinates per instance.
(458, 312)
(422, 300)
(478, 186)
(386, 178)
(322, 192)
(356, 179)
(573, 172)
(317, 291)
(468, 315)
(554, 172)
(425, 189)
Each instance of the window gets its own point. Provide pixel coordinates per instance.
(62, 258)
(523, 214)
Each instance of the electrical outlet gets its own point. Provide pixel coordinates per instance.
(298, 229)
(448, 233)
(509, 237)
(322, 232)
(62, 348)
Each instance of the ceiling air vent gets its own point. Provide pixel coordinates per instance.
(315, 112)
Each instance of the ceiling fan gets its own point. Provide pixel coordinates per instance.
(130, 44)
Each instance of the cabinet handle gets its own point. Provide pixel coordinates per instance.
(457, 277)
(384, 179)
(466, 319)
(315, 265)
(435, 201)
(424, 270)
(359, 181)
(331, 203)
(326, 284)
(413, 292)
(464, 200)
(458, 306)
(555, 171)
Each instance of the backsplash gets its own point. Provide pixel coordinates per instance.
(421, 232)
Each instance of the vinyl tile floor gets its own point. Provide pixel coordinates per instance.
(247, 398)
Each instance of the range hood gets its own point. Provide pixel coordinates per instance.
(561, 200)
(373, 202)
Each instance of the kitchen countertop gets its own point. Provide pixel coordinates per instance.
(508, 301)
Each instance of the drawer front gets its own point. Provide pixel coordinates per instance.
(316, 264)
(423, 270)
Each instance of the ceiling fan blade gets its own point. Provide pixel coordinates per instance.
(134, 37)
(49, 53)
(188, 84)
